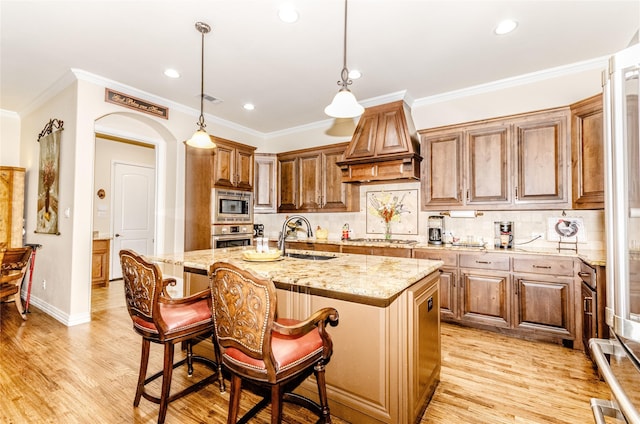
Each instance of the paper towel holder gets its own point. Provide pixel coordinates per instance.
(462, 214)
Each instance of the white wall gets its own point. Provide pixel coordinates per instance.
(9, 138)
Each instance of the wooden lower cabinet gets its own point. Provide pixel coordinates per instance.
(377, 251)
(100, 263)
(386, 360)
(306, 245)
(531, 296)
(448, 280)
(544, 304)
(484, 298)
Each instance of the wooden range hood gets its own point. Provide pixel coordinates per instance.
(384, 147)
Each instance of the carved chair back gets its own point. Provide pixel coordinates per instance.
(142, 285)
(244, 313)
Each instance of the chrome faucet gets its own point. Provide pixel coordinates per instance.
(297, 220)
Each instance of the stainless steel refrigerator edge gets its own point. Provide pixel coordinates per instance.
(618, 358)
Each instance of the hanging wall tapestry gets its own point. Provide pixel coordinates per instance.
(48, 178)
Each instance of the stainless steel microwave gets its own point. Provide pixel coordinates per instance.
(231, 207)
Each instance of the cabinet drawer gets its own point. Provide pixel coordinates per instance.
(449, 258)
(544, 265)
(587, 274)
(492, 261)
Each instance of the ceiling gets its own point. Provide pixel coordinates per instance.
(289, 71)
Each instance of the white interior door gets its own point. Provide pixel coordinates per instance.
(133, 212)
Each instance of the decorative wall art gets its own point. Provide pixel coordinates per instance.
(392, 212)
(111, 96)
(48, 177)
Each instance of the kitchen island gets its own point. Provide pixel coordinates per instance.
(386, 361)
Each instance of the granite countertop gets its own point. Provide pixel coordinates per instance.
(592, 257)
(372, 280)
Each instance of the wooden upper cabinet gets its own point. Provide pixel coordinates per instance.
(542, 144)
(265, 183)
(587, 153)
(311, 181)
(516, 162)
(233, 165)
(288, 183)
(336, 195)
(488, 165)
(197, 198)
(442, 169)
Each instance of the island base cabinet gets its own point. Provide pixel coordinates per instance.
(386, 361)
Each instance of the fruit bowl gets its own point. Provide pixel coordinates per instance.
(252, 255)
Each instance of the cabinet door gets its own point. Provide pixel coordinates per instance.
(448, 294)
(488, 166)
(587, 152)
(265, 184)
(442, 169)
(288, 177)
(309, 181)
(223, 168)
(243, 169)
(544, 304)
(197, 198)
(542, 143)
(334, 193)
(589, 316)
(485, 298)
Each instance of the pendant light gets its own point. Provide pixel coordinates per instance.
(344, 104)
(200, 138)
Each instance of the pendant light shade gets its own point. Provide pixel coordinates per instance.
(344, 104)
(201, 139)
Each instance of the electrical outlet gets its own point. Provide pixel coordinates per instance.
(44, 284)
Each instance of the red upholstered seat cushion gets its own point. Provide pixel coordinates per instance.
(287, 350)
(179, 317)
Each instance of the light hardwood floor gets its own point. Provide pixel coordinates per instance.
(50, 373)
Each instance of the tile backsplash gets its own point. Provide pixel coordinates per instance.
(527, 224)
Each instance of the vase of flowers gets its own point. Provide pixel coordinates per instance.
(388, 208)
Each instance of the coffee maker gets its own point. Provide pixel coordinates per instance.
(258, 230)
(435, 229)
(503, 231)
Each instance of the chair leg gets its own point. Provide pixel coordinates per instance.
(218, 355)
(144, 361)
(276, 404)
(322, 392)
(189, 358)
(166, 381)
(234, 399)
(18, 302)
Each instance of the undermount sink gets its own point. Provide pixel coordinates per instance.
(309, 257)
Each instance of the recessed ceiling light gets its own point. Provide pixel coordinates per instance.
(248, 106)
(505, 27)
(172, 73)
(355, 74)
(288, 14)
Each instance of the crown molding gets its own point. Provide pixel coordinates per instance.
(533, 77)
